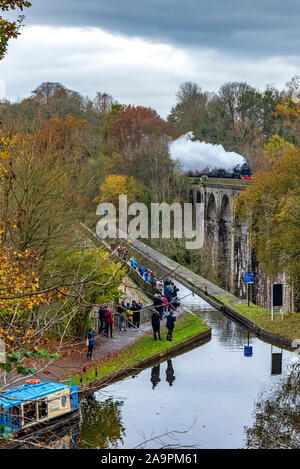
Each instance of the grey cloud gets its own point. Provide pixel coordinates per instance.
(255, 27)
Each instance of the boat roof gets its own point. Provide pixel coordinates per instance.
(28, 392)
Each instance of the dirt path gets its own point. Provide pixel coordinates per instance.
(105, 347)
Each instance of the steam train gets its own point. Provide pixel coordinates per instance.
(238, 172)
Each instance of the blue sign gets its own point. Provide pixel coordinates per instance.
(249, 278)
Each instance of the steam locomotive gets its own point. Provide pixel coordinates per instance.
(238, 172)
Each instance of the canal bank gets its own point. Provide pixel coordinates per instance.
(190, 332)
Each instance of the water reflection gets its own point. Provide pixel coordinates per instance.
(155, 376)
(170, 377)
(224, 329)
(276, 362)
(277, 416)
(101, 423)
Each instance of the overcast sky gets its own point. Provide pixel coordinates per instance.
(140, 51)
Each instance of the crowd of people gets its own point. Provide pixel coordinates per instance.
(165, 299)
(165, 304)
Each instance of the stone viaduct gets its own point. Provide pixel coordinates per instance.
(228, 242)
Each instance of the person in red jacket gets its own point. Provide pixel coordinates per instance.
(108, 318)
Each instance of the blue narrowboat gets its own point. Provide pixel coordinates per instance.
(35, 404)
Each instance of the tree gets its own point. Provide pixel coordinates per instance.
(276, 147)
(115, 185)
(10, 29)
(288, 114)
(18, 276)
(63, 136)
(133, 127)
(90, 278)
(137, 145)
(191, 113)
(35, 198)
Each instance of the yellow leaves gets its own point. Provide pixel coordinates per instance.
(7, 147)
(17, 278)
(60, 294)
(115, 185)
(276, 147)
(289, 110)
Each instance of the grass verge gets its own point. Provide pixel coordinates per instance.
(288, 327)
(187, 326)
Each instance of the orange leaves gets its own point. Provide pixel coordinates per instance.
(60, 132)
(134, 125)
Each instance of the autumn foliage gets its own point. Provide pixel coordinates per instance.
(115, 185)
(59, 134)
(18, 280)
(135, 125)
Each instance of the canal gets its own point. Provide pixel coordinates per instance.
(219, 395)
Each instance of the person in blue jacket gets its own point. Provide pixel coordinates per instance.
(167, 294)
(91, 342)
(142, 270)
(134, 263)
(170, 325)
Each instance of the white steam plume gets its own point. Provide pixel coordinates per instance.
(197, 156)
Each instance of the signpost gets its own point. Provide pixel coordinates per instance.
(249, 279)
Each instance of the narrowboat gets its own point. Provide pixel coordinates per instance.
(35, 405)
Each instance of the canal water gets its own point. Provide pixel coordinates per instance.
(233, 392)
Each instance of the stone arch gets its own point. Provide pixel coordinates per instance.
(211, 208)
(198, 197)
(211, 236)
(225, 210)
(225, 241)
